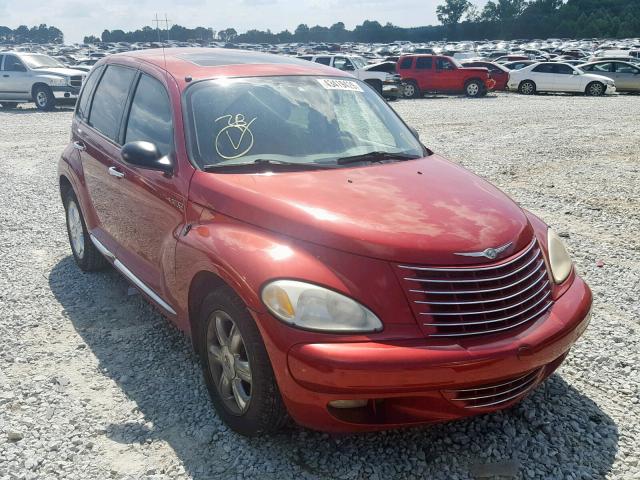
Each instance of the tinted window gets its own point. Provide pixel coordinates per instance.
(85, 97)
(543, 68)
(109, 100)
(443, 64)
(424, 63)
(150, 116)
(323, 60)
(624, 68)
(13, 64)
(563, 69)
(406, 63)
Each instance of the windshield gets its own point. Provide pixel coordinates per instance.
(40, 61)
(297, 119)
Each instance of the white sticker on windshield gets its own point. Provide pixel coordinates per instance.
(333, 84)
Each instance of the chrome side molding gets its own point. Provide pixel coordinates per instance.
(130, 276)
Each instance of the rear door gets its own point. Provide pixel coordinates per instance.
(99, 143)
(424, 73)
(15, 80)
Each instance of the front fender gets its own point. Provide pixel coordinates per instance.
(245, 257)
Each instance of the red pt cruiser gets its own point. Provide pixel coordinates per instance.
(326, 264)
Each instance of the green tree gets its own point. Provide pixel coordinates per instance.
(452, 11)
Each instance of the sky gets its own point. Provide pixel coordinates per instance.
(77, 18)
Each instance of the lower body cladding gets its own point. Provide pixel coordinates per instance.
(345, 387)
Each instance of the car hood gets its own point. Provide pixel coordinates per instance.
(61, 71)
(419, 211)
(593, 76)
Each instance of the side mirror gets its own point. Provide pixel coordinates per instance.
(146, 155)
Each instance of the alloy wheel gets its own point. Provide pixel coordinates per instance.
(229, 362)
(596, 89)
(409, 90)
(527, 88)
(41, 98)
(472, 89)
(76, 232)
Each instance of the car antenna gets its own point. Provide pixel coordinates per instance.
(166, 24)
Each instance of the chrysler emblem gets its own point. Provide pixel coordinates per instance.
(490, 253)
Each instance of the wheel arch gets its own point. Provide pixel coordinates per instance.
(64, 185)
(36, 85)
(201, 284)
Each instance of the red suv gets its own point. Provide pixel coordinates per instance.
(434, 73)
(326, 264)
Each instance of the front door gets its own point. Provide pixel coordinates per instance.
(445, 77)
(14, 79)
(564, 79)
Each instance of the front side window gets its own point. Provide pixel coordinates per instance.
(109, 100)
(13, 64)
(443, 64)
(424, 63)
(563, 69)
(625, 68)
(543, 68)
(293, 119)
(35, 61)
(406, 63)
(150, 115)
(342, 63)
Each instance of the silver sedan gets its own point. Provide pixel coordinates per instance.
(626, 75)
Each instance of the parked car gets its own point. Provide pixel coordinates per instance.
(436, 73)
(497, 71)
(29, 77)
(234, 190)
(625, 75)
(385, 83)
(558, 77)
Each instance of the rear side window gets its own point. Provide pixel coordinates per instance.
(602, 67)
(563, 69)
(109, 100)
(85, 97)
(406, 63)
(323, 60)
(150, 115)
(424, 63)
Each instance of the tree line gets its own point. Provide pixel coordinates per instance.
(23, 34)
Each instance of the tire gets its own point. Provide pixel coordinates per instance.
(43, 98)
(527, 87)
(9, 105)
(595, 89)
(473, 88)
(85, 253)
(411, 90)
(237, 370)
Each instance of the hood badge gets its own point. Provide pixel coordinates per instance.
(490, 253)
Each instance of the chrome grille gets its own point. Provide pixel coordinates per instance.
(465, 301)
(495, 395)
(76, 81)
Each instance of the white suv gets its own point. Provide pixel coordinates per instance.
(33, 77)
(387, 84)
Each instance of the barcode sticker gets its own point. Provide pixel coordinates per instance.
(334, 84)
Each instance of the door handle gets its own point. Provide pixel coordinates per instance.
(113, 171)
(5, 76)
(79, 146)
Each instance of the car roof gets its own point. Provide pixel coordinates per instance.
(203, 63)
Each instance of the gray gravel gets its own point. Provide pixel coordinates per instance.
(94, 384)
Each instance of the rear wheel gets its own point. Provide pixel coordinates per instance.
(473, 88)
(527, 87)
(595, 89)
(43, 97)
(85, 253)
(410, 89)
(236, 366)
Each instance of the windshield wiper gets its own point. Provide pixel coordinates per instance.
(261, 163)
(376, 156)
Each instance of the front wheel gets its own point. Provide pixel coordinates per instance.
(236, 366)
(527, 88)
(43, 97)
(595, 89)
(410, 89)
(473, 89)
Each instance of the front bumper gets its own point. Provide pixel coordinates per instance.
(409, 381)
(65, 91)
(611, 89)
(392, 90)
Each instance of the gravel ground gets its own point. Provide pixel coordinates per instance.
(94, 384)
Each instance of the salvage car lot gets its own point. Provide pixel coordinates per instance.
(95, 384)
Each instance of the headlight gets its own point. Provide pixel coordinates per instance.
(311, 307)
(58, 81)
(558, 257)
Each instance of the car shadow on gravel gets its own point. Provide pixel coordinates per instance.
(556, 432)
